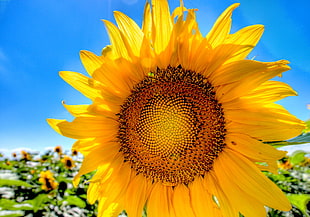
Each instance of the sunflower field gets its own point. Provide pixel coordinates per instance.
(33, 184)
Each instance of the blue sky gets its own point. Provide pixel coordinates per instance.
(39, 38)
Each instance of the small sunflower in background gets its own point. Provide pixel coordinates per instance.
(178, 120)
(74, 152)
(58, 150)
(285, 164)
(68, 162)
(25, 155)
(14, 155)
(48, 181)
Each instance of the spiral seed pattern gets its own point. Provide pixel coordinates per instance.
(171, 127)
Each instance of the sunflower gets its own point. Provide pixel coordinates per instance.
(25, 155)
(178, 120)
(58, 150)
(68, 162)
(48, 181)
(74, 152)
(285, 164)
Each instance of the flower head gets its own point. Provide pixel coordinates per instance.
(58, 150)
(74, 152)
(48, 181)
(25, 155)
(178, 121)
(68, 162)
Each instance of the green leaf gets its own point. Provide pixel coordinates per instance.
(299, 140)
(7, 204)
(73, 200)
(14, 214)
(9, 182)
(11, 205)
(38, 202)
(297, 157)
(300, 201)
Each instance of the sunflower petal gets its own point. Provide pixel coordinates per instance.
(159, 201)
(84, 127)
(111, 210)
(136, 196)
(119, 46)
(246, 204)
(253, 148)
(240, 88)
(100, 156)
(161, 20)
(181, 201)
(246, 38)
(269, 92)
(222, 26)
(201, 200)
(130, 30)
(212, 184)
(147, 21)
(268, 123)
(87, 86)
(253, 181)
(237, 70)
(91, 61)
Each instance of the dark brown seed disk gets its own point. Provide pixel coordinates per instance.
(171, 127)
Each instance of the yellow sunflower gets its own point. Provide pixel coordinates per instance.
(58, 150)
(178, 120)
(68, 162)
(25, 155)
(48, 181)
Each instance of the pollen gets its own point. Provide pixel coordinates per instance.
(171, 127)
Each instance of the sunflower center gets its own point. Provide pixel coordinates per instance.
(171, 128)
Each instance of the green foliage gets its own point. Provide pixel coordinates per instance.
(22, 194)
(299, 140)
(294, 180)
(8, 182)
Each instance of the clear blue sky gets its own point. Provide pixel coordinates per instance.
(39, 38)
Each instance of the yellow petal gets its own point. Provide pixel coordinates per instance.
(253, 148)
(147, 21)
(248, 205)
(235, 71)
(111, 210)
(78, 110)
(160, 201)
(100, 155)
(120, 47)
(136, 196)
(161, 21)
(92, 192)
(221, 28)
(91, 61)
(85, 127)
(182, 202)
(131, 31)
(114, 188)
(269, 92)
(240, 88)
(268, 123)
(202, 202)
(246, 38)
(253, 181)
(212, 184)
(87, 86)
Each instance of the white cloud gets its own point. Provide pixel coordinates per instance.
(291, 149)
